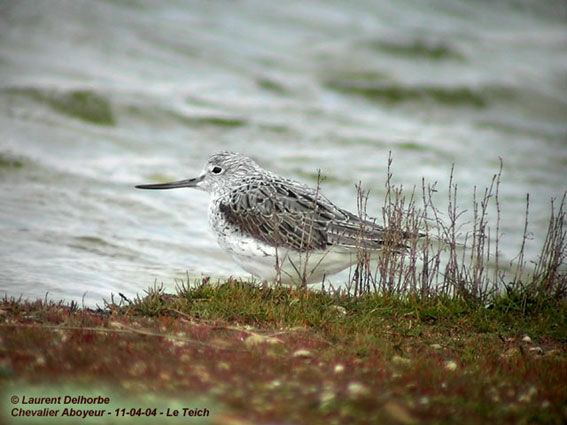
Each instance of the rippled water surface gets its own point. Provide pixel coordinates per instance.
(96, 96)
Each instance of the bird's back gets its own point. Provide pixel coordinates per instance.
(284, 213)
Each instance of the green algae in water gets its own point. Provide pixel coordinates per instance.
(275, 128)
(85, 105)
(361, 76)
(10, 161)
(393, 94)
(215, 121)
(411, 146)
(417, 49)
(271, 85)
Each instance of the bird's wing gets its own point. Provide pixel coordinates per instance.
(287, 214)
(355, 232)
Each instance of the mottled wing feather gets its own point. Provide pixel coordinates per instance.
(287, 214)
(354, 232)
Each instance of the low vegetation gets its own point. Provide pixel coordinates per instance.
(261, 354)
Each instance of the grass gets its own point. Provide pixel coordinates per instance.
(339, 312)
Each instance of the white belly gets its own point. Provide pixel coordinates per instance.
(286, 266)
(278, 264)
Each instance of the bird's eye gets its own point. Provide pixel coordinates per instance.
(216, 170)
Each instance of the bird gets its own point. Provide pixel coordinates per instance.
(276, 228)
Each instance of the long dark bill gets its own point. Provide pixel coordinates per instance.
(172, 185)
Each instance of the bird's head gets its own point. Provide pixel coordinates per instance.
(222, 170)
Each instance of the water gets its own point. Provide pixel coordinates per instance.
(98, 96)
